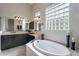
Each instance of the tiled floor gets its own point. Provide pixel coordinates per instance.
(16, 51)
(74, 52)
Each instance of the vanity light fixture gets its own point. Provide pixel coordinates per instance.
(18, 17)
(37, 18)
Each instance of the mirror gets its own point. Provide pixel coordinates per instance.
(38, 26)
(31, 25)
(10, 25)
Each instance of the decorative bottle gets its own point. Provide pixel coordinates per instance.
(73, 43)
(68, 39)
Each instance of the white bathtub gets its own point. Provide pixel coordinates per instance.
(50, 48)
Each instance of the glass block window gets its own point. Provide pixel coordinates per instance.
(57, 17)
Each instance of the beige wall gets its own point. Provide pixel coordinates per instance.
(9, 10)
(74, 22)
(39, 7)
(15, 9)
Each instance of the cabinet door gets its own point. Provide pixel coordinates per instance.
(6, 41)
(29, 38)
(20, 39)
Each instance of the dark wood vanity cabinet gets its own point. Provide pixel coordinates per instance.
(6, 41)
(9, 41)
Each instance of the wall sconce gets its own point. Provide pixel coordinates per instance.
(37, 18)
(18, 17)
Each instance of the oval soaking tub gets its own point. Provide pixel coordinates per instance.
(50, 48)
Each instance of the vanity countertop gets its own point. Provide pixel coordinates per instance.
(12, 33)
(20, 32)
(37, 33)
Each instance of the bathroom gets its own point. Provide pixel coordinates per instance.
(28, 13)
